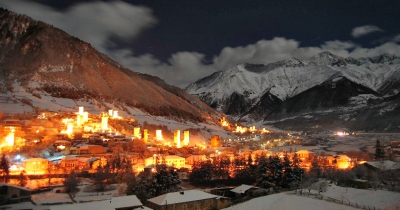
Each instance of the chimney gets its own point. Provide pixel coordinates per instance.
(182, 192)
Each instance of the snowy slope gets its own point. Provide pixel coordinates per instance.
(246, 92)
(288, 78)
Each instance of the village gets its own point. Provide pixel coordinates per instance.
(54, 145)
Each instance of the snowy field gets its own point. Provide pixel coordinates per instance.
(333, 199)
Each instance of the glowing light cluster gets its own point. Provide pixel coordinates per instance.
(177, 138)
(265, 130)
(10, 138)
(342, 133)
(224, 122)
(186, 135)
(159, 136)
(136, 132)
(240, 129)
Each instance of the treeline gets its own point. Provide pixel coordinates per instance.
(266, 172)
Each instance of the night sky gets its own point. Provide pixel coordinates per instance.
(183, 41)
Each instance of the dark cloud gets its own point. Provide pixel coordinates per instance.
(96, 22)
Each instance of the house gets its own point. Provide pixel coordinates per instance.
(78, 164)
(87, 149)
(382, 165)
(171, 160)
(195, 158)
(305, 155)
(244, 190)
(10, 193)
(62, 144)
(125, 202)
(116, 203)
(36, 166)
(360, 184)
(189, 199)
(10, 125)
(343, 161)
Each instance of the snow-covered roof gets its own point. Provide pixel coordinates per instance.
(114, 203)
(35, 159)
(15, 186)
(98, 205)
(384, 165)
(125, 201)
(181, 197)
(242, 188)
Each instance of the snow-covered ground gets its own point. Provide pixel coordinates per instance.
(12, 103)
(334, 198)
(284, 201)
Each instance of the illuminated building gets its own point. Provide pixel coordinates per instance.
(115, 115)
(265, 130)
(240, 129)
(145, 135)
(79, 120)
(85, 117)
(104, 122)
(171, 160)
(343, 162)
(185, 138)
(10, 138)
(194, 158)
(177, 138)
(305, 155)
(136, 132)
(36, 166)
(159, 135)
(215, 141)
(224, 122)
(80, 110)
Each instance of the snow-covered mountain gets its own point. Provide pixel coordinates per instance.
(291, 88)
(40, 64)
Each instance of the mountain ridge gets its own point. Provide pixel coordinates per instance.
(252, 84)
(44, 59)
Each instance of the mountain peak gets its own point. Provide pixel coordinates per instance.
(327, 58)
(385, 57)
(39, 57)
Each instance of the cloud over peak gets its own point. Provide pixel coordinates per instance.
(364, 30)
(94, 22)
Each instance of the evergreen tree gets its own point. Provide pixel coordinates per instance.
(288, 173)
(71, 184)
(379, 151)
(5, 167)
(101, 178)
(298, 172)
(263, 179)
(221, 168)
(131, 184)
(22, 179)
(167, 179)
(201, 172)
(164, 180)
(243, 173)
